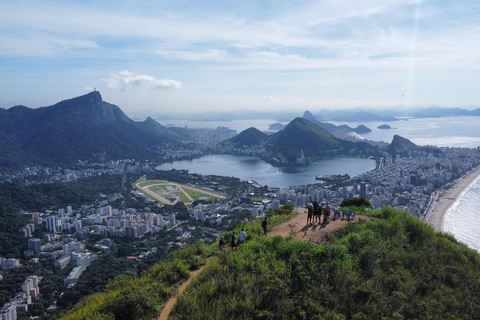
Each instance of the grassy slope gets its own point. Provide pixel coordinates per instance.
(395, 267)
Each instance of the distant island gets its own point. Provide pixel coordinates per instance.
(384, 126)
(277, 126)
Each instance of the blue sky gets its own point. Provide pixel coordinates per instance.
(161, 57)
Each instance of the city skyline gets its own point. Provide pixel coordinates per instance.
(187, 56)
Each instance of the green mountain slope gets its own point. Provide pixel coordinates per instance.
(301, 134)
(85, 128)
(249, 137)
(155, 128)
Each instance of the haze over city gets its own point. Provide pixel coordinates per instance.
(189, 56)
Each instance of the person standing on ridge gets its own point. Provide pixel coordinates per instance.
(309, 213)
(221, 243)
(327, 211)
(264, 226)
(242, 236)
(320, 211)
(234, 241)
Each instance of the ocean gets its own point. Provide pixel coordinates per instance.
(463, 218)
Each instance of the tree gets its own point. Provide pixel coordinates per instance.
(356, 202)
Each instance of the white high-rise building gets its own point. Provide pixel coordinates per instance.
(77, 225)
(8, 312)
(275, 204)
(106, 211)
(34, 245)
(171, 219)
(51, 223)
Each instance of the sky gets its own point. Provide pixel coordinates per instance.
(161, 57)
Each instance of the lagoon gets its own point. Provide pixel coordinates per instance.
(252, 168)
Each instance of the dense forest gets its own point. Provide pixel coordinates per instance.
(393, 267)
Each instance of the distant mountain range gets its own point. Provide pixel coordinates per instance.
(82, 128)
(359, 114)
(333, 128)
(88, 128)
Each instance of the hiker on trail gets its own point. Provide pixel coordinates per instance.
(234, 241)
(221, 243)
(309, 213)
(242, 236)
(264, 226)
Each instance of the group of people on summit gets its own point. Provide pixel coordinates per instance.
(314, 213)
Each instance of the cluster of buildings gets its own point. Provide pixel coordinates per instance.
(105, 220)
(21, 301)
(405, 183)
(82, 260)
(38, 174)
(218, 213)
(66, 252)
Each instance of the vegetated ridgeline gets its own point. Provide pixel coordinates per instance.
(393, 267)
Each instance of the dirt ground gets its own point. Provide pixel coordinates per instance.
(298, 227)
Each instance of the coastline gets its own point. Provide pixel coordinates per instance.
(445, 197)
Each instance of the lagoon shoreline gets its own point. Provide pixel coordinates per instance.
(446, 196)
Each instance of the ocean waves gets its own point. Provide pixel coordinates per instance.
(463, 218)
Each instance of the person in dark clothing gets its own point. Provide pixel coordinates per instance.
(221, 243)
(320, 211)
(264, 226)
(309, 213)
(234, 241)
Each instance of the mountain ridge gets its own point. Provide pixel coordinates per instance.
(81, 128)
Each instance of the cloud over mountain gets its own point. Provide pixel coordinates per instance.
(124, 79)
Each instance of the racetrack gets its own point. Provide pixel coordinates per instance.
(163, 195)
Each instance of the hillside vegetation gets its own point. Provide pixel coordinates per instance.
(394, 267)
(250, 137)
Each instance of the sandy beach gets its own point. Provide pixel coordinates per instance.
(444, 198)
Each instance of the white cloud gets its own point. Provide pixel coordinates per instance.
(267, 98)
(123, 79)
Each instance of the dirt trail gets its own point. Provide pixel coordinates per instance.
(171, 302)
(296, 226)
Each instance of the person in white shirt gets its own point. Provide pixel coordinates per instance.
(242, 235)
